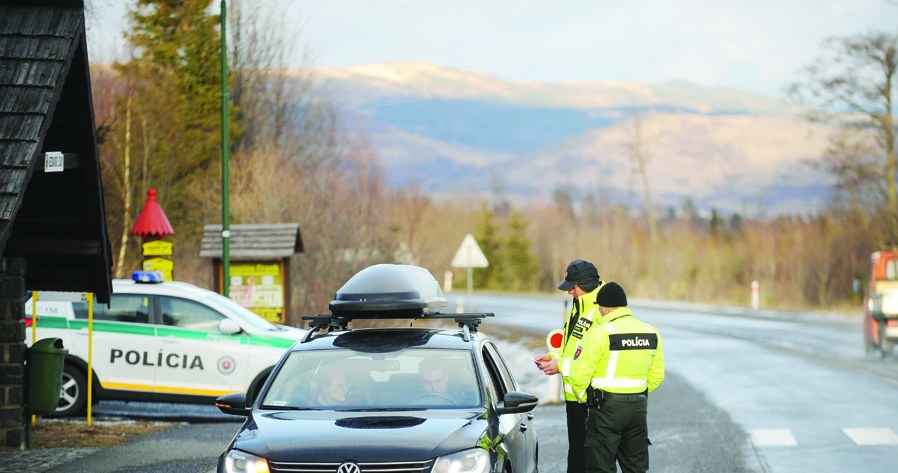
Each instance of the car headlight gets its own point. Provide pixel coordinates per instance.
(476, 460)
(242, 462)
(890, 304)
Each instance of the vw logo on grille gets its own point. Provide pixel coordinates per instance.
(348, 467)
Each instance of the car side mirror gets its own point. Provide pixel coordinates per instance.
(234, 404)
(516, 402)
(228, 327)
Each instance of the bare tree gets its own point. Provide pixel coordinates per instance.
(637, 149)
(126, 190)
(862, 181)
(853, 89)
(276, 105)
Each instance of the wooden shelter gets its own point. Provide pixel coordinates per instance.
(260, 264)
(52, 218)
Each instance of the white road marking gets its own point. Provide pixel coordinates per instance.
(772, 437)
(871, 435)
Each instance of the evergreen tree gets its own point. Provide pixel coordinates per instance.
(176, 68)
(488, 240)
(715, 225)
(519, 270)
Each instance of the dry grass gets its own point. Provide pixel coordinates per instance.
(53, 433)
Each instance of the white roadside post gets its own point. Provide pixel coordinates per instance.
(469, 256)
(447, 281)
(755, 295)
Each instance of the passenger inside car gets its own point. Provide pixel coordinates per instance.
(333, 389)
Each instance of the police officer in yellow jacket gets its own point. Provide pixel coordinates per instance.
(582, 282)
(619, 362)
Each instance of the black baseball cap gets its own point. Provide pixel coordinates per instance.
(582, 273)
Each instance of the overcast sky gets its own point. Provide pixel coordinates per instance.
(757, 45)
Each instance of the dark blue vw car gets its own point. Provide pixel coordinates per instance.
(398, 400)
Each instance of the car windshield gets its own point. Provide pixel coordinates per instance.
(413, 378)
(240, 312)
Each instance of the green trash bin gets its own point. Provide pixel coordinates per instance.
(44, 371)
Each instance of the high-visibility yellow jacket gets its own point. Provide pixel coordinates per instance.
(619, 354)
(583, 312)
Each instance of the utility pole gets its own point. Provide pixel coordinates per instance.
(225, 156)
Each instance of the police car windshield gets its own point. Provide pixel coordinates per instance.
(343, 379)
(237, 310)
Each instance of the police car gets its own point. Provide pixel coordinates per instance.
(431, 399)
(158, 341)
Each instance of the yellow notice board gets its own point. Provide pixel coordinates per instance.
(160, 264)
(157, 248)
(260, 288)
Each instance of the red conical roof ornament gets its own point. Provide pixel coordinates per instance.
(152, 220)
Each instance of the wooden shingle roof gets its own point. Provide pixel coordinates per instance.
(264, 241)
(54, 220)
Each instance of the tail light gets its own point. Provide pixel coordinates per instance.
(28, 321)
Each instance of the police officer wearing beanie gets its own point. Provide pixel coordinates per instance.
(582, 282)
(621, 361)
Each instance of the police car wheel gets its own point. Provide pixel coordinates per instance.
(73, 393)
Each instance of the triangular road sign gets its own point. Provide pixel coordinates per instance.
(469, 255)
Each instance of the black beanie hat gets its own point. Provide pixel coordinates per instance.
(611, 295)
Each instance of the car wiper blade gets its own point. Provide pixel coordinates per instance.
(377, 409)
(286, 408)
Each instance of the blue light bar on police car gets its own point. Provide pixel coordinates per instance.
(150, 277)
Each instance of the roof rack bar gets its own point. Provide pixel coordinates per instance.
(321, 321)
(472, 319)
(331, 322)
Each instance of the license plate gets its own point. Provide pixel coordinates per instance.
(892, 332)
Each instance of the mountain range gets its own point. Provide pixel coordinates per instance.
(460, 134)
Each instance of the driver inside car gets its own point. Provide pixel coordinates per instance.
(434, 377)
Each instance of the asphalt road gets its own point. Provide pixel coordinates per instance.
(680, 442)
(746, 391)
(785, 392)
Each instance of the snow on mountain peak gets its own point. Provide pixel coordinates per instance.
(427, 80)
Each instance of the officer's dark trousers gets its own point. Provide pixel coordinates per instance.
(576, 435)
(617, 430)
